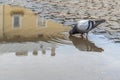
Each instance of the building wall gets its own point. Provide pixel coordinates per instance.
(1, 20)
(28, 21)
(29, 27)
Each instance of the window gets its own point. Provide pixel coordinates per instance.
(16, 20)
(40, 21)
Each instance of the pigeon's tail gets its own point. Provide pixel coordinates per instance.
(97, 22)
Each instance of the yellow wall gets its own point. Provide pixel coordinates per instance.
(29, 27)
(28, 20)
(1, 20)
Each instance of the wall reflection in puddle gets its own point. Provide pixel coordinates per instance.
(22, 49)
(49, 46)
(36, 52)
(24, 31)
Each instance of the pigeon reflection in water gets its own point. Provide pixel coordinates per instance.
(84, 44)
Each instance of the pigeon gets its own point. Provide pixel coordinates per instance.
(84, 26)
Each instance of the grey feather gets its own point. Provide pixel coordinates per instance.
(84, 26)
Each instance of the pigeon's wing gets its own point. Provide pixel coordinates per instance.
(83, 25)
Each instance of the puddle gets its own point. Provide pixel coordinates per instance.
(33, 48)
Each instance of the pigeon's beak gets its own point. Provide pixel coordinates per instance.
(97, 22)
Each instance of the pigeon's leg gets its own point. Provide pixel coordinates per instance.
(86, 35)
(81, 35)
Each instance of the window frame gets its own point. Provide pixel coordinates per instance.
(39, 18)
(13, 21)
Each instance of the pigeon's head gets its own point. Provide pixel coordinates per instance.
(73, 30)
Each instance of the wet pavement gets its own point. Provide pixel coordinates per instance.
(39, 49)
